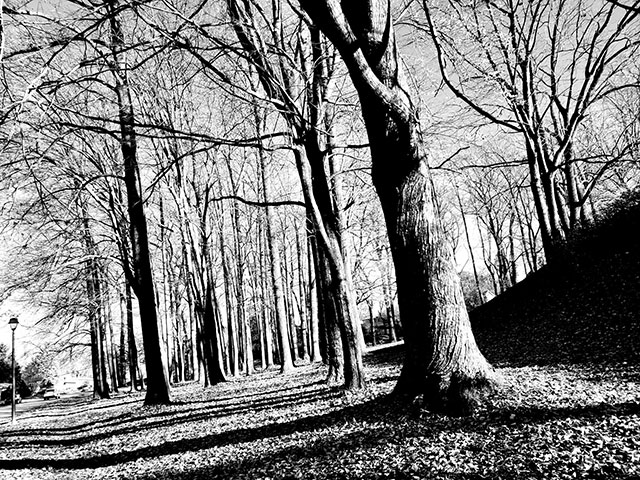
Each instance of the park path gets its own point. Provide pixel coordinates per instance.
(22, 409)
(29, 405)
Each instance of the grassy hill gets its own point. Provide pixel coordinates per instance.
(583, 308)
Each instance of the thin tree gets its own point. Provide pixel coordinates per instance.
(141, 279)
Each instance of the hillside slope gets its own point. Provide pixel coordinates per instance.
(583, 308)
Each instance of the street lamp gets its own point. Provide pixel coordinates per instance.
(13, 323)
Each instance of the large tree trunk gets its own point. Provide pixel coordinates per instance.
(157, 379)
(442, 361)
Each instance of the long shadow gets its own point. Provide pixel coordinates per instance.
(217, 402)
(382, 408)
(73, 407)
(169, 418)
(234, 398)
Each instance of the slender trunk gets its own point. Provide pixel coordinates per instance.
(333, 357)
(469, 246)
(289, 300)
(286, 362)
(265, 317)
(98, 361)
(324, 209)
(214, 373)
(337, 197)
(302, 302)
(157, 379)
(94, 307)
(314, 313)
(372, 323)
(310, 165)
(232, 329)
(122, 353)
(110, 345)
(388, 304)
(131, 340)
(546, 229)
(166, 317)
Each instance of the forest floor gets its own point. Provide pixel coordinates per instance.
(553, 421)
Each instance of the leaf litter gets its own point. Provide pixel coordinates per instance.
(551, 422)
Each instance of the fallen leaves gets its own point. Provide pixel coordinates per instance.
(547, 422)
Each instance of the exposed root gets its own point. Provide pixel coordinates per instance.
(457, 395)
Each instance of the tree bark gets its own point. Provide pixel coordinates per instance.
(314, 314)
(94, 302)
(131, 340)
(211, 341)
(442, 362)
(157, 378)
(279, 85)
(286, 362)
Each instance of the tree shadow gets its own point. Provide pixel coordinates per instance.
(383, 410)
(128, 423)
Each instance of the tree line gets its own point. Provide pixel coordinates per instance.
(249, 181)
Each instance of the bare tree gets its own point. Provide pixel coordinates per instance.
(442, 361)
(538, 69)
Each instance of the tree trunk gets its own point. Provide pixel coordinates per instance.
(94, 303)
(333, 357)
(98, 361)
(211, 341)
(131, 340)
(302, 299)
(317, 195)
(469, 246)
(372, 322)
(265, 317)
(310, 163)
(122, 353)
(157, 379)
(442, 361)
(340, 222)
(232, 329)
(109, 345)
(314, 314)
(286, 362)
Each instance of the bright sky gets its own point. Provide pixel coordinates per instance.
(26, 334)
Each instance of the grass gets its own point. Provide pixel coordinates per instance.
(572, 421)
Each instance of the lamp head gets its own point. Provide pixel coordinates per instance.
(13, 323)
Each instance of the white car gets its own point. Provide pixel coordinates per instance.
(50, 393)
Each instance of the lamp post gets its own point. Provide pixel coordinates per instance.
(13, 323)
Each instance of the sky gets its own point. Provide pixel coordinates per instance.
(26, 332)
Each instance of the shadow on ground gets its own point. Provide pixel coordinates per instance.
(383, 412)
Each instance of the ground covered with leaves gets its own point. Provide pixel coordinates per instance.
(573, 421)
